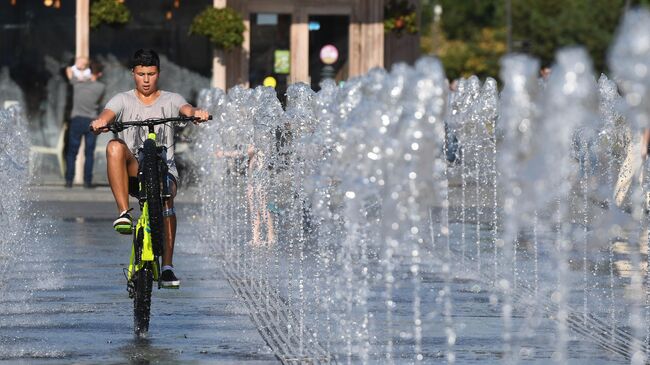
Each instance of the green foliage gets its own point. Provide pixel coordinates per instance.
(400, 16)
(464, 19)
(224, 27)
(478, 57)
(539, 28)
(108, 12)
(426, 17)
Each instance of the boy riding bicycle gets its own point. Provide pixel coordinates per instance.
(144, 102)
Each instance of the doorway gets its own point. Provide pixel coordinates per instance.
(269, 51)
(328, 48)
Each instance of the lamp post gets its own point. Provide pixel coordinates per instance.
(509, 26)
(435, 26)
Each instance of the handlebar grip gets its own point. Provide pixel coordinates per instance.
(91, 129)
(114, 127)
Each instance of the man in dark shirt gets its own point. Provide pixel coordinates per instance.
(87, 94)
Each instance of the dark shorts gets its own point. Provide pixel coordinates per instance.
(134, 188)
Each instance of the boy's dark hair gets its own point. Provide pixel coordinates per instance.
(145, 57)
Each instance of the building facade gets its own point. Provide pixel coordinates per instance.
(350, 32)
(287, 40)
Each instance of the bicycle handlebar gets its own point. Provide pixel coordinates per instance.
(120, 126)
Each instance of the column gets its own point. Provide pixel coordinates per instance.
(82, 48)
(245, 52)
(372, 35)
(366, 37)
(82, 28)
(354, 48)
(375, 33)
(299, 47)
(218, 59)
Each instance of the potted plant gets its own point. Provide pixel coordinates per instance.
(224, 27)
(112, 12)
(399, 17)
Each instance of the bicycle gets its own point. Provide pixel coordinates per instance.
(148, 235)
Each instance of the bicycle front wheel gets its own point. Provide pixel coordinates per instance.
(142, 282)
(151, 172)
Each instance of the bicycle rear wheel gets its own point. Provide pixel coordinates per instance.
(142, 282)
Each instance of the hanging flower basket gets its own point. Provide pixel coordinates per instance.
(112, 12)
(224, 27)
(400, 17)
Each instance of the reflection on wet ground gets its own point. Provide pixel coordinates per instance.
(68, 303)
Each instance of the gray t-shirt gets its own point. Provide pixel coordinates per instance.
(85, 97)
(127, 107)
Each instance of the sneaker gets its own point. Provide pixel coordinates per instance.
(89, 186)
(168, 280)
(124, 223)
(68, 184)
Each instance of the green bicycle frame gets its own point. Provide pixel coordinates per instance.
(147, 246)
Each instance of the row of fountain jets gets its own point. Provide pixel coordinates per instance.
(357, 216)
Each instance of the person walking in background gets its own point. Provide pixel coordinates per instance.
(257, 181)
(545, 72)
(257, 193)
(86, 94)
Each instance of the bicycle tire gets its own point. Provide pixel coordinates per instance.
(151, 177)
(143, 281)
(144, 277)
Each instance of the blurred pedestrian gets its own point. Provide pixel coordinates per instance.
(257, 184)
(631, 170)
(86, 94)
(545, 72)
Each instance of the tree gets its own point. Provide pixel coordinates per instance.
(469, 39)
(539, 27)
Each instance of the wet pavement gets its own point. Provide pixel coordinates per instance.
(67, 301)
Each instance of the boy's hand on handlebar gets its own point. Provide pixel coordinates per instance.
(98, 126)
(203, 115)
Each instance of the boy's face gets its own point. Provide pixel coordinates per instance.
(146, 79)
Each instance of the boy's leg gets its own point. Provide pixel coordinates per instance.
(266, 215)
(120, 165)
(168, 279)
(169, 225)
(253, 210)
